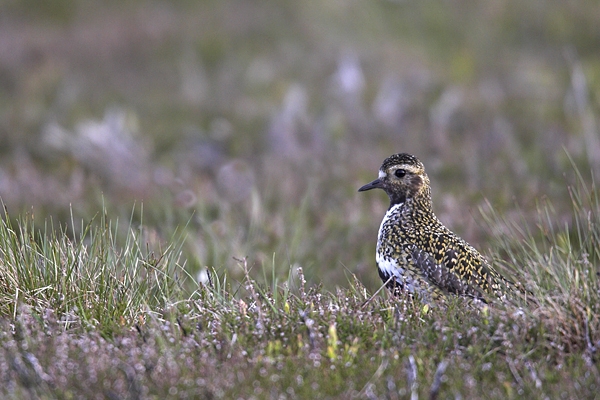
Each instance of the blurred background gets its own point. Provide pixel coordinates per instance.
(251, 124)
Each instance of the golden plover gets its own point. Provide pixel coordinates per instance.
(416, 253)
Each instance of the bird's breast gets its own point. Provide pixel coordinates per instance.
(391, 257)
(393, 230)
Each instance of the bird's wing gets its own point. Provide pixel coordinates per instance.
(446, 273)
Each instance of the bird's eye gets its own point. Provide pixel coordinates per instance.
(400, 173)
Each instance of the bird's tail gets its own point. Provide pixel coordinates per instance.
(514, 292)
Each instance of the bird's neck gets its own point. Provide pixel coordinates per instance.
(421, 205)
(423, 199)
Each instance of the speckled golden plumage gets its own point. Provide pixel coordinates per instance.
(416, 253)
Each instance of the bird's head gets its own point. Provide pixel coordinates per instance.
(402, 176)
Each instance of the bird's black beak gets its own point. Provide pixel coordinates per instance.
(376, 184)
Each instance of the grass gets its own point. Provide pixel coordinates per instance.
(89, 281)
(245, 130)
(87, 317)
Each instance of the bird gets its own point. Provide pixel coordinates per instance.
(416, 253)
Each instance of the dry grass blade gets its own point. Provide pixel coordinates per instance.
(411, 376)
(436, 385)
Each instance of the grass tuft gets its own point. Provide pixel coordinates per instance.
(556, 262)
(90, 281)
